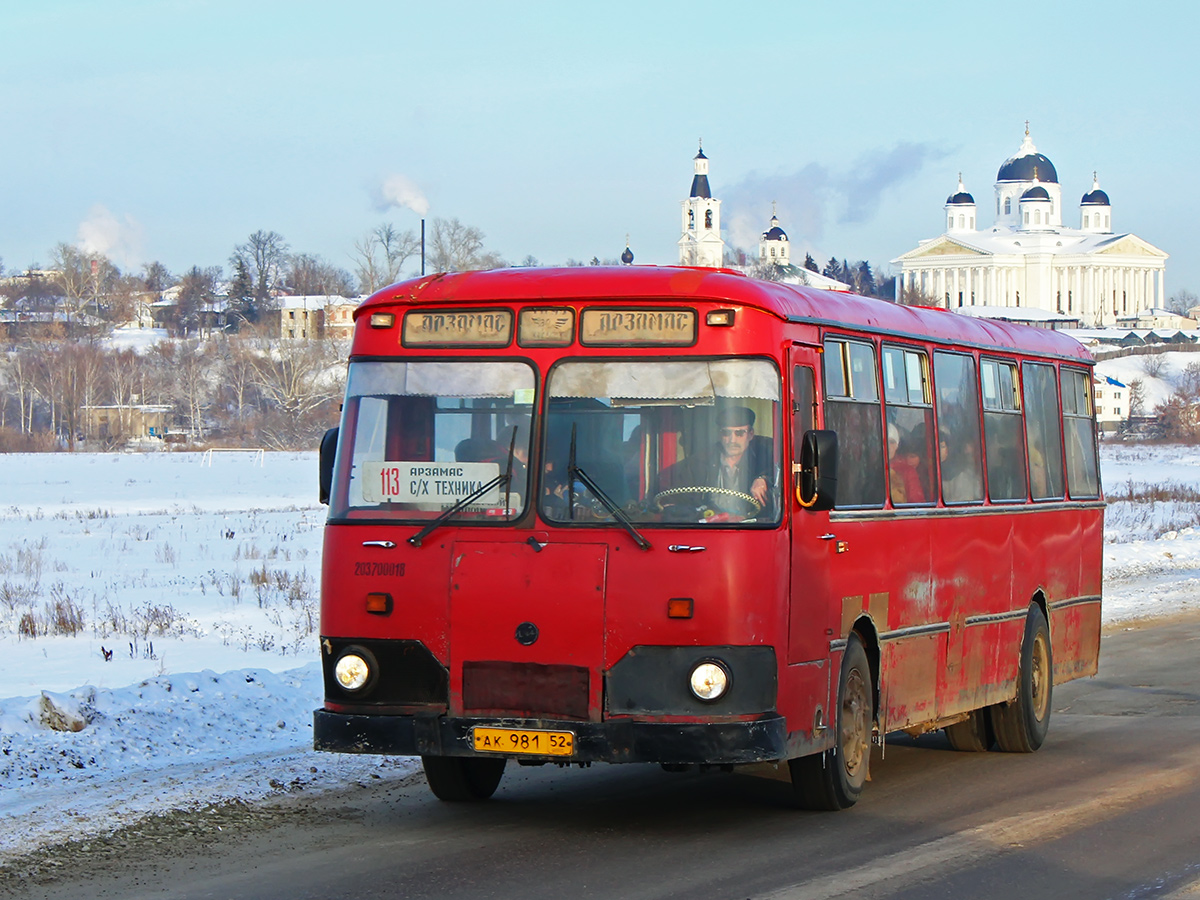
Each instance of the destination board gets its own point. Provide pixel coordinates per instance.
(633, 327)
(467, 328)
(428, 482)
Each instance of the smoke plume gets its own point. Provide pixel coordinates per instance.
(808, 198)
(400, 192)
(118, 239)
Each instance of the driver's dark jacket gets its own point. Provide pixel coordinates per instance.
(704, 469)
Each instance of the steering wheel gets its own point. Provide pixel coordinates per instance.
(696, 489)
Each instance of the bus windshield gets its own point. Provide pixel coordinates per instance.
(685, 442)
(423, 436)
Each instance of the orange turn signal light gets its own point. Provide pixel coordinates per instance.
(379, 604)
(679, 608)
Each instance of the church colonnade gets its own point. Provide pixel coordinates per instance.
(1095, 293)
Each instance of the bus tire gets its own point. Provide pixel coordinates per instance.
(1021, 724)
(834, 779)
(463, 778)
(972, 735)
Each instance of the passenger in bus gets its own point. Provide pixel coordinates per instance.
(902, 468)
(1039, 480)
(741, 462)
(961, 479)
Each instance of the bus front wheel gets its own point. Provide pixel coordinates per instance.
(834, 779)
(1021, 724)
(463, 778)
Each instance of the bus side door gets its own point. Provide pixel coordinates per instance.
(813, 621)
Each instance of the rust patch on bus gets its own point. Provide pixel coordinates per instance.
(851, 608)
(877, 606)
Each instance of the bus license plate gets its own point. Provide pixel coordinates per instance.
(520, 740)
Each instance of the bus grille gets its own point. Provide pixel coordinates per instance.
(528, 690)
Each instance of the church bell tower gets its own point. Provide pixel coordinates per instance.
(701, 243)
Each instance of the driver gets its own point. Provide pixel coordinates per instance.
(740, 462)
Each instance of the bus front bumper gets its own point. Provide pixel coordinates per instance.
(615, 741)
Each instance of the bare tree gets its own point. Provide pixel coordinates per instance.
(263, 257)
(915, 296)
(379, 256)
(1137, 398)
(83, 278)
(237, 373)
(193, 384)
(296, 378)
(1154, 364)
(197, 291)
(310, 275)
(156, 277)
(1182, 301)
(456, 247)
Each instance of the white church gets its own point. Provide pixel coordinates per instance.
(1030, 259)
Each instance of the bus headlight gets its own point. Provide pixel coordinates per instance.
(353, 669)
(709, 680)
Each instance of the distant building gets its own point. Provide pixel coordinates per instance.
(314, 316)
(1158, 320)
(774, 252)
(1029, 258)
(701, 243)
(129, 421)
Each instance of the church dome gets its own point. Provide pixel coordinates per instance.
(1027, 164)
(1095, 197)
(775, 234)
(1037, 192)
(960, 198)
(1034, 167)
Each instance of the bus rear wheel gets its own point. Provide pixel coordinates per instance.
(1021, 724)
(463, 778)
(973, 734)
(834, 779)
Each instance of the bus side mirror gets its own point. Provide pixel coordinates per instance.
(817, 488)
(328, 451)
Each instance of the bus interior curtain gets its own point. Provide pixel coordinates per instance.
(435, 379)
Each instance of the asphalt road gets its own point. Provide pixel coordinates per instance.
(1108, 808)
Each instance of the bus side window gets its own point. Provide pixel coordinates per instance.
(909, 426)
(852, 409)
(1079, 428)
(803, 403)
(959, 447)
(1003, 436)
(1043, 432)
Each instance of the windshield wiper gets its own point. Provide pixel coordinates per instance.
(505, 478)
(573, 472)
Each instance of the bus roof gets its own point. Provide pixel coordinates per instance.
(790, 302)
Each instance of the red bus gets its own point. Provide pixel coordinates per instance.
(686, 517)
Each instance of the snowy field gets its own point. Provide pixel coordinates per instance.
(167, 610)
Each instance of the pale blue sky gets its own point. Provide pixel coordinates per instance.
(178, 127)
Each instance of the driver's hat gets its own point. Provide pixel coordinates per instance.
(735, 416)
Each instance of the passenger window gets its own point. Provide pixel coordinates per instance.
(1043, 432)
(852, 410)
(1079, 428)
(1003, 437)
(909, 426)
(960, 459)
